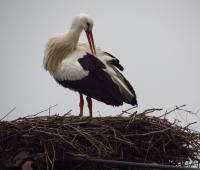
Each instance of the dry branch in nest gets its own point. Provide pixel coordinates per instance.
(139, 137)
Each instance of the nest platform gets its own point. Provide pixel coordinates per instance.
(50, 140)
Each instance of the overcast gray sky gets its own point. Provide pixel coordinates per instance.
(157, 41)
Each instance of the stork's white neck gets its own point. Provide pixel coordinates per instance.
(73, 36)
(59, 47)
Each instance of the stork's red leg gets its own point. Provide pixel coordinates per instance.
(81, 104)
(89, 100)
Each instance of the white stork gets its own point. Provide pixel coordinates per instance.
(86, 69)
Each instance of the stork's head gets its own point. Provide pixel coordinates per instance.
(85, 22)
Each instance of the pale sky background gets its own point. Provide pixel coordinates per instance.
(157, 41)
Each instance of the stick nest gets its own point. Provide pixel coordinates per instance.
(136, 137)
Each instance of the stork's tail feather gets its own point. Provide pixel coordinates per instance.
(126, 89)
(134, 102)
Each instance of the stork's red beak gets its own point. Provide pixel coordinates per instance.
(91, 41)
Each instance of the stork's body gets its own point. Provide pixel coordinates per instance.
(85, 69)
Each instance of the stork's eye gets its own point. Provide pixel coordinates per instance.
(88, 24)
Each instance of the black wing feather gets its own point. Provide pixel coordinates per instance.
(115, 62)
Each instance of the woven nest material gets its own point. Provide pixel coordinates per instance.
(137, 137)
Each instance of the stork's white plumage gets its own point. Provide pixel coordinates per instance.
(85, 69)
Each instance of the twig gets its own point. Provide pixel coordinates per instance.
(176, 108)
(186, 127)
(150, 133)
(48, 109)
(68, 113)
(126, 111)
(8, 113)
(53, 157)
(150, 111)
